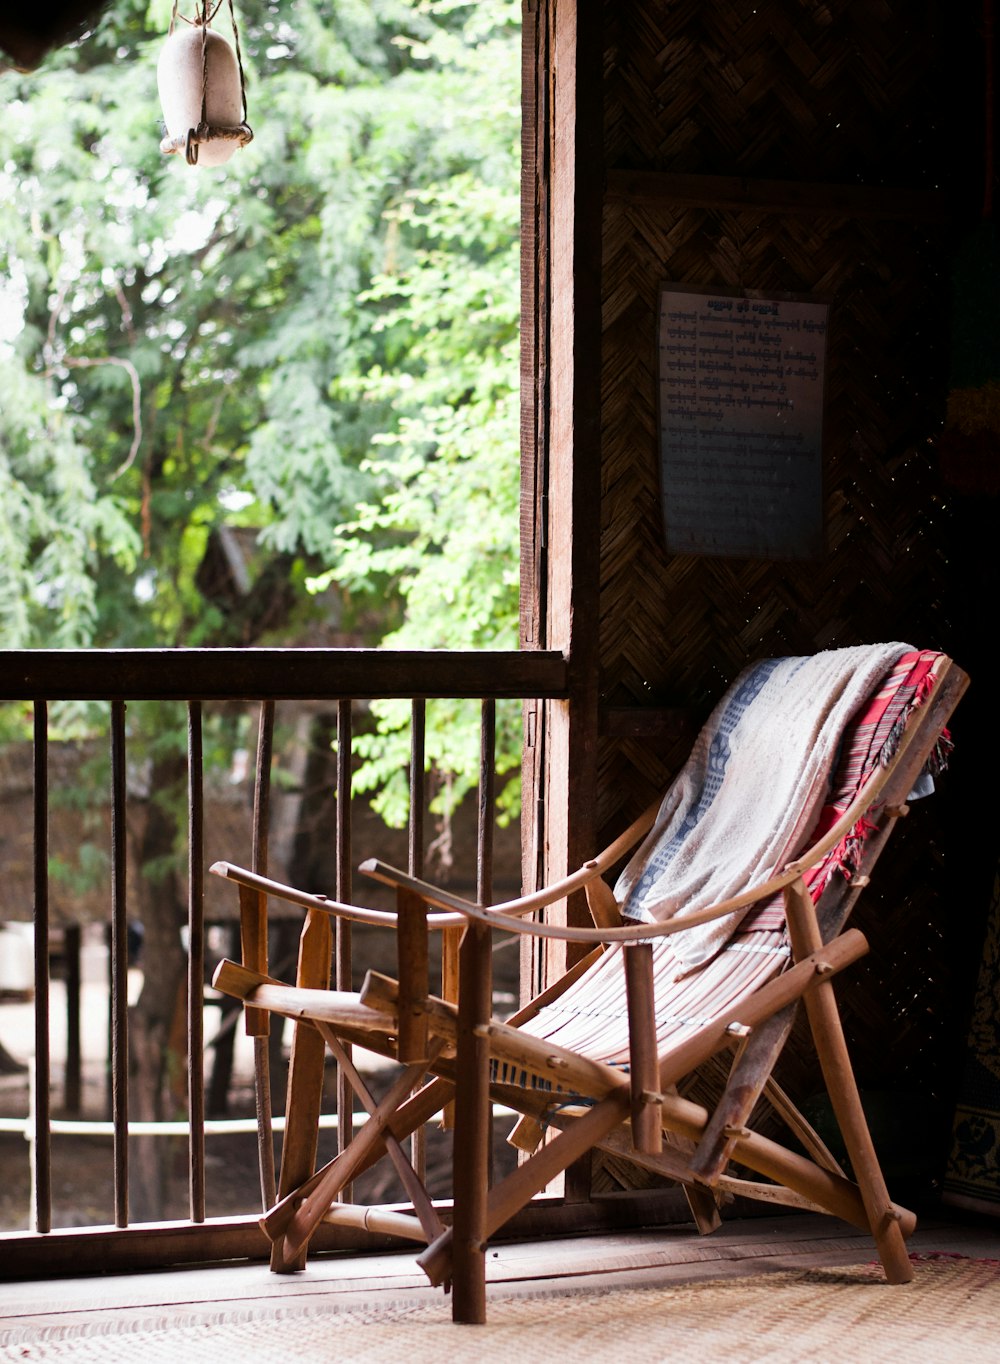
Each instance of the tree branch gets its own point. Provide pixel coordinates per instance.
(133, 374)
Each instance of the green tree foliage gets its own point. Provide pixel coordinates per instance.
(442, 530)
(310, 350)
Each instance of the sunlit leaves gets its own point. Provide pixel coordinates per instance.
(442, 529)
(55, 527)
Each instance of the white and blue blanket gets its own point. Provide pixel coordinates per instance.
(751, 790)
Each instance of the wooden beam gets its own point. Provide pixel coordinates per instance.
(646, 722)
(778, 196)
(281, 674)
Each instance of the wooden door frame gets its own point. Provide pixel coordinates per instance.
(562, 193)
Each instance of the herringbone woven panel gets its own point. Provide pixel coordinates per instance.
(788, 89)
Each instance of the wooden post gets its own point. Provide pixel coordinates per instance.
(647, 1134)
(343, 950)
(196, 965)
(304, 1099)
(473, 1127)
(414, 978)
(119, 963)
(561, 450)
(40, 1066)
(415, 864)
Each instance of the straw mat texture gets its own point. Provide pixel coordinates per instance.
(950, 1311)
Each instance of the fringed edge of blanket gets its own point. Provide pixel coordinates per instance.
(846, 857)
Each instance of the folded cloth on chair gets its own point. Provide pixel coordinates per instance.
(752, 789)
(869, 743)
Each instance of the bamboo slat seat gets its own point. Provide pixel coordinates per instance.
(590, 1019)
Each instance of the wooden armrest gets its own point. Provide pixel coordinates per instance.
(524, 904)
(456, 910)
(253, 945)
(504, 915)
(309, 900)
(335, 1007)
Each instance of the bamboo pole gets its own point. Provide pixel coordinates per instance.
(196, 965)
(473, 1127)
(414, 977)
(647, 1134)
(831, 1048)
(304, 1092)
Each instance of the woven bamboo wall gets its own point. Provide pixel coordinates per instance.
(827, 95)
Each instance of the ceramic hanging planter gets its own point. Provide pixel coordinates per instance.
(201, 87)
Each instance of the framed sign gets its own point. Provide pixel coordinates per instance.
(741, 382)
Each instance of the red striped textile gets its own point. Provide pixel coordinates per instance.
(869, 742)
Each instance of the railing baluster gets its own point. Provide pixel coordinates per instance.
(345, 741)
(415, 863)
(73, 1080)
(342, 929)
(196, 965)
(261, 1044)
(119, 964)
(41, 1174)
(487, 802)
(485, 833)
(418, 786)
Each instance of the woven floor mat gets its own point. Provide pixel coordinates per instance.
(949, 1311)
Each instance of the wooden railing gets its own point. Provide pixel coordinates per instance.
(197, 678)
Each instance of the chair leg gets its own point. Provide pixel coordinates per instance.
(704, 1209)
(831, 1048)
(824, 1020)
(519, 1187)
(643, 1069)
(747, 1079)
(305, 1078)
(293, 1221)
(426, 1214)
(473, 1128)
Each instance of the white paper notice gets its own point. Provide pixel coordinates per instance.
(741, 424)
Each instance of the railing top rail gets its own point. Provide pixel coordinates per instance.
(278, 674)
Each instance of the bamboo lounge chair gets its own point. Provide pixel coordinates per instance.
(735, 906)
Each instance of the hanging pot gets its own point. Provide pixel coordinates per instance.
(201, 96)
